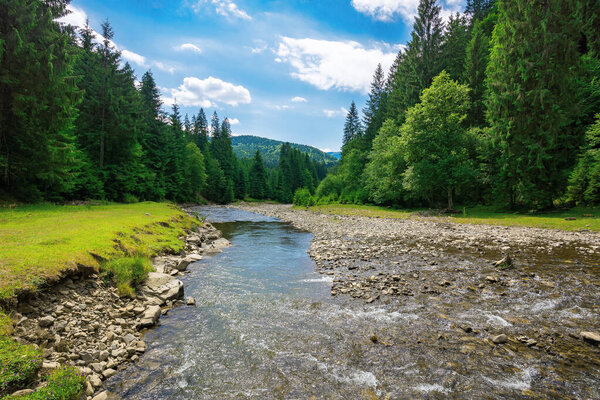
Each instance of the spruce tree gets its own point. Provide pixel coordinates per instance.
(257, 178)
(375, 108)
(352, 126)
(37, 101)
(531, 101)
(454, 46)
(420, 62)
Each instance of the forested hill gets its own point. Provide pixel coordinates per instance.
(245, 147)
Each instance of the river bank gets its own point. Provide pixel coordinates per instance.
(531, 328)
(82, 320)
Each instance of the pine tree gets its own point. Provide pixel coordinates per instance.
(476, 62)
(420, 62)
(37, 101)
(375, 108)
(478, 10)
(201, 131)
(352, 126)
(454, 47)
(531, 101)
(257, 178)
(153, 138)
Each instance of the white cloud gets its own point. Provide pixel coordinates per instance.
(258, 50)
(387, 10)
(76, 17)
(334, 64)
(189, 47)
(163, 67)
(299, 99)
(234, 121)
(207, 93)
(226, 8)
(335, 113)
(134, 58)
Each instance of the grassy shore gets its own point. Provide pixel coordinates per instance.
(585, 218)
(39, 243)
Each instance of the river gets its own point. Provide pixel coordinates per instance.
(266, 327)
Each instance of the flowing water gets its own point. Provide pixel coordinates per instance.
(266, 327)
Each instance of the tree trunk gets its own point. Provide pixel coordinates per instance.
(450, 202)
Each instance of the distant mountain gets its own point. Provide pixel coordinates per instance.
(336, 154)
(246, 146)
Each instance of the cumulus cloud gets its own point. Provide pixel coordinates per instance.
(134, 58)
(226, 8)
(326, 64)
(387, 10)
(234, 121)
(207, 93)
(299, 99)
(189, 47)
(335, 113)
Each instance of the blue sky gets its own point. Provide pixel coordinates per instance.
(285, 70)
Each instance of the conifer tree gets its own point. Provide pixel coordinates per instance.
(454, 46)
(375, 108)
(531, 102)
(37, 101)
(257, 178)
(420, 62)
(352, 126)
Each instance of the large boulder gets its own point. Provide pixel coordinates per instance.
(150, 317)
(160, 288)
(217, 246)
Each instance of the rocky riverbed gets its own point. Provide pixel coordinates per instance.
(82, 320)
(529, 330)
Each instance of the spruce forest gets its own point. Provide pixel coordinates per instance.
(498, 105)
(76, 125)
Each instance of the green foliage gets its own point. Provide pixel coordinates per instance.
(65, 383)
(37, 101)
(302, 197)
(435, 142)
(385, 168)
(532, 107)
(19, 365)
(245, 147)
(258, 178)
(584, 182)
(127, 272)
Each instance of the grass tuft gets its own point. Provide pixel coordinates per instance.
(65, 383)
(19, 365)
(127, 273)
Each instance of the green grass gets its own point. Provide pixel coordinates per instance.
(360, 211)
(478, 215)
(19, 365)
(39, 243)
(65, 383)
(128, 272)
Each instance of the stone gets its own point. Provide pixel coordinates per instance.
(46, 321)
(591, 337)
(128, 338)
(192, 258)
(22, 392)
(491, 279)
(94, 380)
(108, 373)
(89, 389)
(190, 301)
(182, 265)
(101, 396)
(50, 365)
(104, 354)
(161, 286)
(500, 339)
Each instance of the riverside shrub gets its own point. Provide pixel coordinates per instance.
(302, 197)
